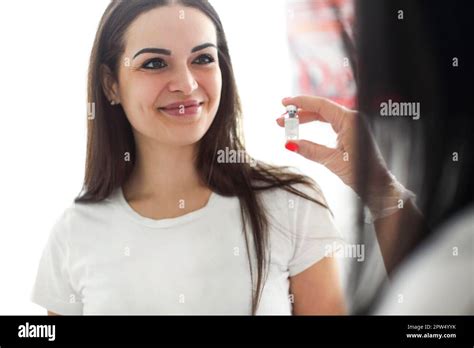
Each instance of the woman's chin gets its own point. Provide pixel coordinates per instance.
(181, 138)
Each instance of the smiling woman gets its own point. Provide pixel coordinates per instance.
(161, 226)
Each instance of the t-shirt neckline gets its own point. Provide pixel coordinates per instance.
(167, 222)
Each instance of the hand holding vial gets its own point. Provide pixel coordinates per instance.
(342, 159)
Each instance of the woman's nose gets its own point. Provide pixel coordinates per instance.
(183, 81)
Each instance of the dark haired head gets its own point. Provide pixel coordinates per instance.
(418, 52)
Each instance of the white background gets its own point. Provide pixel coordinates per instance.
(45, 47)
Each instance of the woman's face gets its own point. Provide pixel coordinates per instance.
(169, 78)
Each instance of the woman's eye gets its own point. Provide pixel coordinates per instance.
(204, 59)
(155, 63)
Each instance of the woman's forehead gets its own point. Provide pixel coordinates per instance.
(172, 27)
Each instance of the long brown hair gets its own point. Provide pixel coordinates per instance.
(110, 135)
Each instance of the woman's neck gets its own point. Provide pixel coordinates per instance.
(163, 172)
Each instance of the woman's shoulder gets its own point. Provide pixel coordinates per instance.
(295, 195)
(302, 229)
(289, 183)
(79, 209)
(78, 214)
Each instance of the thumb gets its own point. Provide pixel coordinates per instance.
(314, 152)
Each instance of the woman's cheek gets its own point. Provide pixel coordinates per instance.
(216, 87)
(146, 89)
(142, 99)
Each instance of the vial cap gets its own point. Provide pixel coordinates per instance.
(291, 108)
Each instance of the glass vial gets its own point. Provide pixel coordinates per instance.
(291, 123)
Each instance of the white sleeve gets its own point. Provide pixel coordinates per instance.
(313, 231)
(52, 288)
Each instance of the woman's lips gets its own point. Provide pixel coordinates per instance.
(185, 103)
(186, 108)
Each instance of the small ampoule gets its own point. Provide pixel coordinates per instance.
(291, 123)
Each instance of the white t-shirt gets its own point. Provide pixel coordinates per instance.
(105, 258)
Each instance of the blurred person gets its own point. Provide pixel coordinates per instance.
(409, 52)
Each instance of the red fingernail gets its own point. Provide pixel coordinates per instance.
(292, 146)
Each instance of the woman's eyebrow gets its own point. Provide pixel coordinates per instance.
(168, 52)
(153, 50)
(203, 46)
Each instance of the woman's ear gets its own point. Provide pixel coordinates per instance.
(109, 85)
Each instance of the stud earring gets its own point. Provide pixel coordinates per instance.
(112, 102)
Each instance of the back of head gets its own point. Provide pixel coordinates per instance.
(414, 86)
